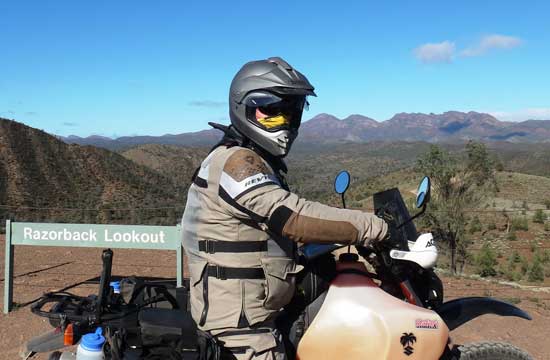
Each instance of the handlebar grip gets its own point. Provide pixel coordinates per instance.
(313, 251)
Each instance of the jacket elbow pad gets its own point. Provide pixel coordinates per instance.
(307, 229)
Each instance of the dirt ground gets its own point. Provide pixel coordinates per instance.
(38, 270)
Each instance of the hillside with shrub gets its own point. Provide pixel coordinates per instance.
(45, 179)
(505, 235)
(176, 163)
(511, 221)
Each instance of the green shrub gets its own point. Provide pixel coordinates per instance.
(546, 226)
(512, 236)
(509, 270)
(475, 225)
(536, 272)
(524, 265)
(486, 261)
(520, 223)
(512, 275)
(540, 216)
(515, 258)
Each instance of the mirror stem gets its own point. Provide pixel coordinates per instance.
(413, 217)
(344, 206)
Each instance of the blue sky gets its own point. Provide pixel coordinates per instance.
(139, 67)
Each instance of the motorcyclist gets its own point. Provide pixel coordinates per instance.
(241, 224)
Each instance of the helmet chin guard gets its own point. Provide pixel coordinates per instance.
(268, 84)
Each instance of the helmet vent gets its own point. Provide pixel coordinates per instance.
(277, 60)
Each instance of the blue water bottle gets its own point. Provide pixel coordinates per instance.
(91, 346)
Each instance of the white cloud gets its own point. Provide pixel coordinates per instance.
(490, 42)
(523, 114)
(435, 52)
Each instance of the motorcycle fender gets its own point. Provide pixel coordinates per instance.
(50, 341)
(459, 311)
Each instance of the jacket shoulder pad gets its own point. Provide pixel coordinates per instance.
(244, 163)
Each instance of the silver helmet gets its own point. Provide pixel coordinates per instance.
(266, 101)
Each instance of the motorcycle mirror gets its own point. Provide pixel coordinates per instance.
(341, 183)
(422, 198)
(423, 192)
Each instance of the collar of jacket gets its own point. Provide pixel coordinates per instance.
(232, 137)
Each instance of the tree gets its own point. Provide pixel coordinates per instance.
(486, 261)
(536, 272)
(459, 184)
(509, 271)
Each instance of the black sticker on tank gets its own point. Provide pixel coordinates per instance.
(408, 340)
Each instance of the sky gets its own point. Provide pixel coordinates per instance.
(117, 68)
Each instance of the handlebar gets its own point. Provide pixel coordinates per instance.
(84, 308)
(104, 281)
(79, 303)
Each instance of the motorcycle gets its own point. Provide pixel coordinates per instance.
(395, 312)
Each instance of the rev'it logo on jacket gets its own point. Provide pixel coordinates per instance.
(238, 188)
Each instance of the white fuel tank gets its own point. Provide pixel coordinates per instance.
(358, 320)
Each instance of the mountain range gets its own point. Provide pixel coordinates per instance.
(451, 126)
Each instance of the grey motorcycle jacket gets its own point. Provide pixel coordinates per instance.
(240, 229)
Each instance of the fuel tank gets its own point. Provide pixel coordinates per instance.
(358, 320)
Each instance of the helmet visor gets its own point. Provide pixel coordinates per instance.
(261, 98)
(273, 113)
